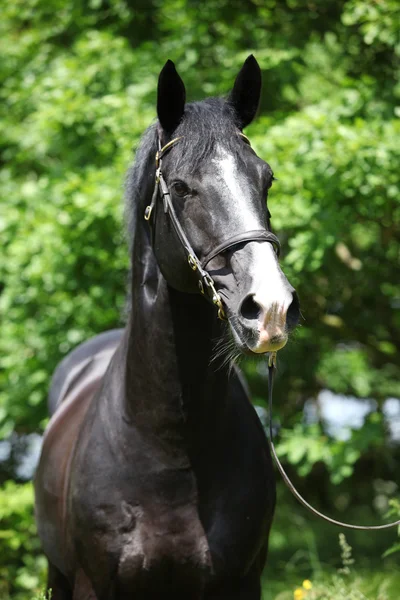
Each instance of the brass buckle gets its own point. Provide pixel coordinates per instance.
(221, 315)
(218, 302)
(192, 262)
(216, 298)
(147, 213)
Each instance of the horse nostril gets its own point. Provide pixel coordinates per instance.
(249, 308)
(293, 312)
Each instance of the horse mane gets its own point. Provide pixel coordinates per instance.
(139, 180)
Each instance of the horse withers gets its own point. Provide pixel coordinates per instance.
(155, 478)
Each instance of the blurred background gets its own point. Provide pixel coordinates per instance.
(78, 88)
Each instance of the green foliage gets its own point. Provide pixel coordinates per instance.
(22, 566)
(43, 596)
(394, 513)
(78, 87)
(304, 446)
(379, 22)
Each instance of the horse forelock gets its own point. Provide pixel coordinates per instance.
(204, 125)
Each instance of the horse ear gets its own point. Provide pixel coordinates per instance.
(171, 97)
(245, 95)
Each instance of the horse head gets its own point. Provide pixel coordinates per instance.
(215, 189)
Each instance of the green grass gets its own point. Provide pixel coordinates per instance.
(335, 586)
(325, 585)
(344, 583)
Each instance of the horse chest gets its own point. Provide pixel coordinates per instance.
(163, 544)
(154, 536)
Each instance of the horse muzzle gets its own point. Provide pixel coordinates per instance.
(261, 306)
(267, 328)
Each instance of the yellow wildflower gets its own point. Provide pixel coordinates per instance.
(307, 585)
(298, 594)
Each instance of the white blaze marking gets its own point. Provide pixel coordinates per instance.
(242, 216)
(267, 283)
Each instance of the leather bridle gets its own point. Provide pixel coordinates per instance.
(205, 282)
(207, 288)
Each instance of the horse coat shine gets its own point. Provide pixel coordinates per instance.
(155, 479)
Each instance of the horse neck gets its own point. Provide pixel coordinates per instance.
(174, 393)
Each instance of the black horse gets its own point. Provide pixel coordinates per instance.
(155, 479)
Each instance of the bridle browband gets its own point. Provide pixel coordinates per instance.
(205, 282)
(207, 289)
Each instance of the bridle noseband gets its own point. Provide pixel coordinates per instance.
(207, 289)
(205, 282)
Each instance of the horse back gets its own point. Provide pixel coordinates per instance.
(83, 362)
(76, 379)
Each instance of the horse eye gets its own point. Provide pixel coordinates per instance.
(180, 188)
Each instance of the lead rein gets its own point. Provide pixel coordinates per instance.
(296, 494)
